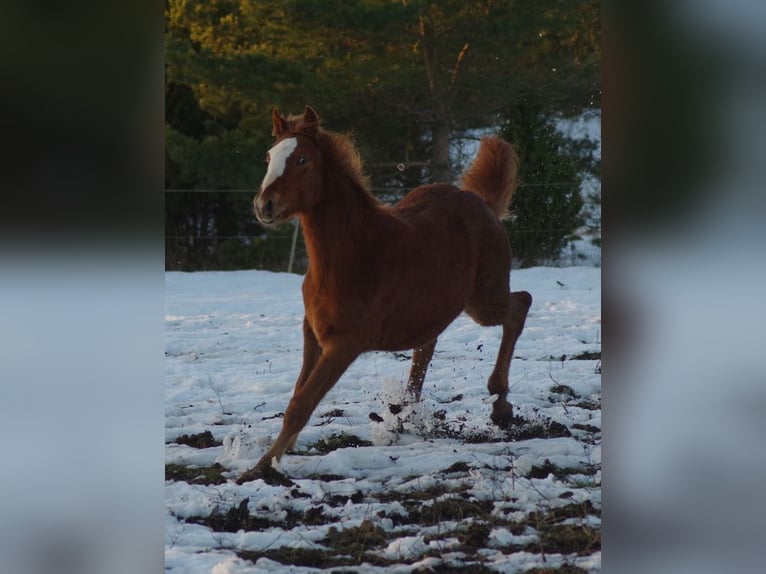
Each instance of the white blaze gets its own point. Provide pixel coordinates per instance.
(278, 159)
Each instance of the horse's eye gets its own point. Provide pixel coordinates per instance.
(301, 160)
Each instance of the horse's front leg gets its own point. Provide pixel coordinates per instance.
(331, 364)
(311, 353)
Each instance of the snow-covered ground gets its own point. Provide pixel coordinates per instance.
(436, 484)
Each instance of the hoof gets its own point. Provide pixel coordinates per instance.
(267, 474)
(504, 422)
(502, 416)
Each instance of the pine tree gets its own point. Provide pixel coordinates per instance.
(407, 77)
(548, 205)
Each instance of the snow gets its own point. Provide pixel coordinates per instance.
(233, 351)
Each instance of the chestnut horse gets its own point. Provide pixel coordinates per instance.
(388, 278)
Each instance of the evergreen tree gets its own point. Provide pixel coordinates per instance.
(407, 77)
(548, 205)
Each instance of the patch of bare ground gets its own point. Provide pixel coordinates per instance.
(196, 474)
(445, 509)
(201, 440)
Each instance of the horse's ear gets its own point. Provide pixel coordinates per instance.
(279, 123)
(310, 117)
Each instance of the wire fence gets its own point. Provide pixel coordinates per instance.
(375, 190)
(282, 249)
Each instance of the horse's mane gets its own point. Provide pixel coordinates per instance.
(338, 145)
(343, 149)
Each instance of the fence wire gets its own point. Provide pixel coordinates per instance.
(187, 252)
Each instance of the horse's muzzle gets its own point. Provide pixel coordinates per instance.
(264, 210)
(268, 210)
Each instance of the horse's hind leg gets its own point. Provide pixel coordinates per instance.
(421, 357)
(513, 324)
(311, 353)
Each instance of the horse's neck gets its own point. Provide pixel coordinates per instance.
(337, 232)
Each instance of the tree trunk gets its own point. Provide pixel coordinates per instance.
(440, 161)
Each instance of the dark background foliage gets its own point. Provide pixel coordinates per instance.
(411, 80)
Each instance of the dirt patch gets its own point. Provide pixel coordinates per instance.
(267, 474)
(587, 356)
(520, 428)
(588, 405)
(326, 477)
(547, 468)
(308, 557)
(563, 569)
(563, 390)
(239, 518)
(341, 499)
(448, 509)
(200, 440)
(356, 541)
(461, 467)
(195, 474)
(570, 538)
(235, 519)
(559, 530)
(335, 442)
(527, 429)
(346, 547)
(554, 515)
(475, 537)
(586, 428)
(417, 497)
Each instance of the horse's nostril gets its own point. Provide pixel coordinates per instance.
(268, 209)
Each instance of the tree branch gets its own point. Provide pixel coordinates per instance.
(459, 60)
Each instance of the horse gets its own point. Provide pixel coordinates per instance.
(388, 278)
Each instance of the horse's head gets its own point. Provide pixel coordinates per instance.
(294, 174)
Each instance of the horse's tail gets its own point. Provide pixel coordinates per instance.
(493, 175)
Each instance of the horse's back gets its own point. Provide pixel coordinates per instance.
(439, 198)
(464, 228)
(444, 210)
